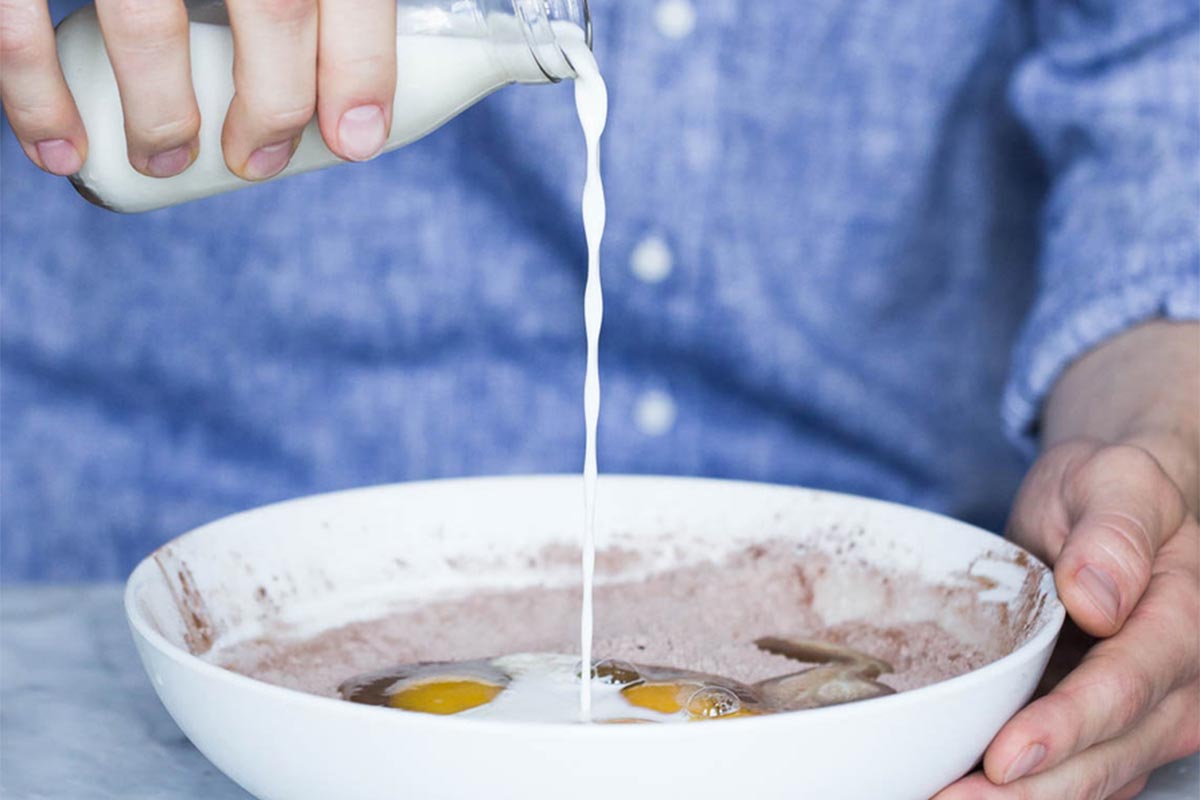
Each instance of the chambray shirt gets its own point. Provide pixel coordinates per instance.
(851, 245)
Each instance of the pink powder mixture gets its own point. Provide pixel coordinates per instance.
(702, 618)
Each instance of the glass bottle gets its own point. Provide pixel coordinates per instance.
(450, 55)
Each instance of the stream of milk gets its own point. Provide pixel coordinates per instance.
(591, 103)
(438, 76)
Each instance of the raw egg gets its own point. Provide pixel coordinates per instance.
(544, 687)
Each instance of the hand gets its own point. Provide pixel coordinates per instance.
(1126, 556)
(291, 58)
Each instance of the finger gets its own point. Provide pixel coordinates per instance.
(1124, 507)
(356, 75)
(1118, 683)
(275, 83)
(147, 43)
(973, 787)
(1169, 732)
(35, 94)
(977, 787)
(1039, 521)
(1106, 768)
(1131, 789)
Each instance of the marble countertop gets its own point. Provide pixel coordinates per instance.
(80, 721)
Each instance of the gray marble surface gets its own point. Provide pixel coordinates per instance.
(80, 721)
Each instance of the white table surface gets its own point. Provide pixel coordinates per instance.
(80, 721)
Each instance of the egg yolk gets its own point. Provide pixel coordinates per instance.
(665, 698)
(672, 698)
(444, 697)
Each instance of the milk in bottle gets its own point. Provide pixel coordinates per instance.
(450, 54)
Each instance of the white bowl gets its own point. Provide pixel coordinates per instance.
(353, 555)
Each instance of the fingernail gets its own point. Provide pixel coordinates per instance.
(1102, 589)
(361, 132)
(170, 162)
(1026, 762)
(59, 156)
(268, 160)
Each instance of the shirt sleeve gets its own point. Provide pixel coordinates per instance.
(1111, 97)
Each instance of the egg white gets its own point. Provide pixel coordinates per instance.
(545, 688)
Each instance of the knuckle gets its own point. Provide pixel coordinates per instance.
(1135, 788)
(1170, 501)
(1130, 790)
(42, 121)
(170, 132)
(1128, 691)
(287, 12)
(1025, 791)
(1092, 786)
(1168, 614)
(1184, 737)
(1128, 459)
(1113, 696)
(1140, 468)
(284, 119)
(1068, 457)
(1116, 464)
(1060, 715)
(362, 67)
(1097, 781)
(48, 116)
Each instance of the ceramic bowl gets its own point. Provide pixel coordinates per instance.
(309, 564)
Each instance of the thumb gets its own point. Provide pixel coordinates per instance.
(1122, 506)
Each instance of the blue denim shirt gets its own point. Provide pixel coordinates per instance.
(851, 245)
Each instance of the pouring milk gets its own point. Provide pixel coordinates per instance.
(439, 75)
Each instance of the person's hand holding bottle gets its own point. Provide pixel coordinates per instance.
(292, 58)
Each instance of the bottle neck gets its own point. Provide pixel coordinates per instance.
(550, 29)
(534, 36)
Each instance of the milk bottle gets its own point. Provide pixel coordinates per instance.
(450, 54)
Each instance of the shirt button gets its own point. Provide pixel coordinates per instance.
(675, 18)
(651, 261)
(655, 413)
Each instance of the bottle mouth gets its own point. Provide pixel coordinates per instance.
(587, 24)
(547, 24)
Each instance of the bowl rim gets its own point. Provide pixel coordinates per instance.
(1053, 612)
